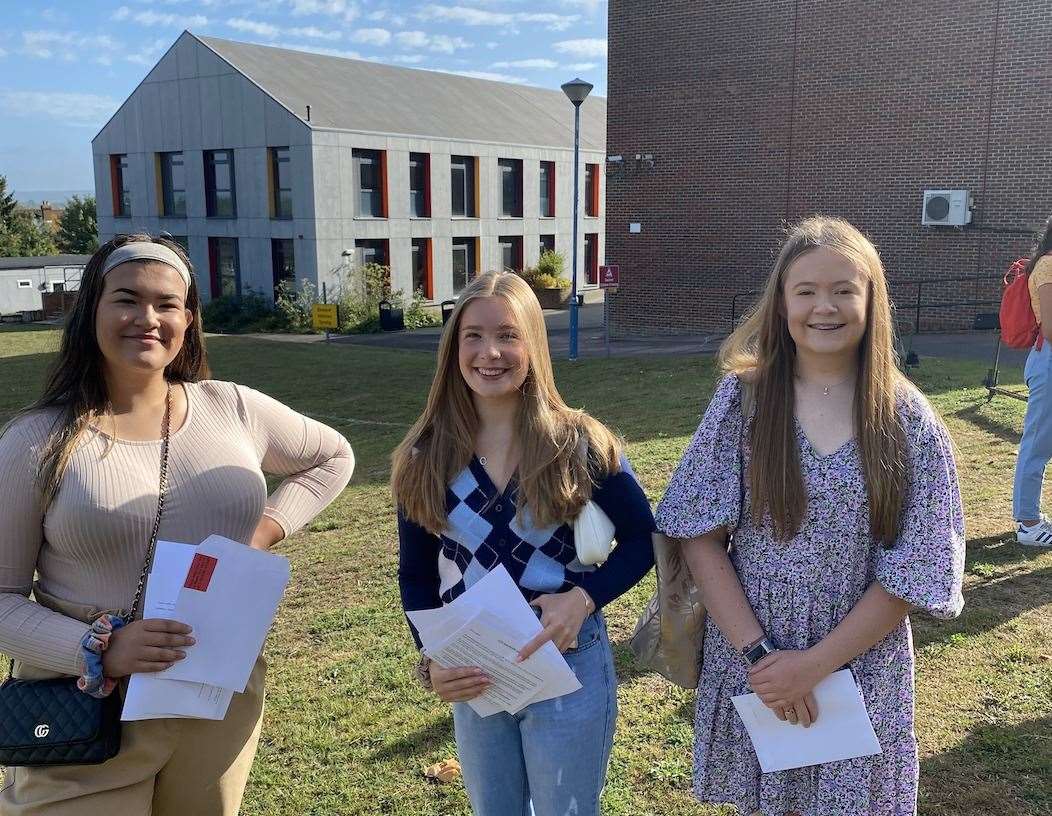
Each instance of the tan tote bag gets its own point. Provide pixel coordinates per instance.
(670, 634)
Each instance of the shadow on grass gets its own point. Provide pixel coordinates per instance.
(974, 416)
(996, 769)
(419, 743)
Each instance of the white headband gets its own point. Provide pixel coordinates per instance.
(147, 251)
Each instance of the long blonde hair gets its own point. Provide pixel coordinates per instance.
(762, 352)
(554, 481)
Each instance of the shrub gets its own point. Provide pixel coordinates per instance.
(547, 274)
(251, 312)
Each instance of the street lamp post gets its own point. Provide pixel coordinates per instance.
(576, 91)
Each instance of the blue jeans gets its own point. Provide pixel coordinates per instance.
(554, 752)
(1035, 448)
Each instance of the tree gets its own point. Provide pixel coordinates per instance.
(78, 230)
(7, 203)
(20, 237)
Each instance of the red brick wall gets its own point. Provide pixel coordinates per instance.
(762, 112)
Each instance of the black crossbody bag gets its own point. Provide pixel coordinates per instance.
(52, 722)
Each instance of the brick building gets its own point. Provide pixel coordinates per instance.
(744, 115)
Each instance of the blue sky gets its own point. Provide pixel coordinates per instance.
(65, 66)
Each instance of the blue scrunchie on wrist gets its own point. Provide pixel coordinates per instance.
(95, 641)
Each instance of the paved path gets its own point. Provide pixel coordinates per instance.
(963, 346)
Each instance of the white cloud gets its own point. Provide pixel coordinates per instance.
(149, 53)
(152, 18)
(480, 17)
(69, 108)
(532, 64)
(581, 66)
(3, 53)
(65, 45)
(348, 11)
(314, 33)
(492, 45)
(439, 43)
(582, 48)
(372, 36)
(254, 27)
(406, 59)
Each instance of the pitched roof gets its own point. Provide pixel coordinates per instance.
(40, 261)
(363, 96)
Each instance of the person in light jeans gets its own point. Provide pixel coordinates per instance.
(1033, 528)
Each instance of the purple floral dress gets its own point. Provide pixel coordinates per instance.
(800, 590)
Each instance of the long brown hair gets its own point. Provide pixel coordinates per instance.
(762, 352)
(554, 481)
(76, 384)
(1042, 246)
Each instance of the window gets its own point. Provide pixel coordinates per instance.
(25, 284)
(463, 262)
(591, 191)
(591, 256)
(220, 199)
(422, 268)
(173, 185)
(280, 183)
(547, 189)
(283, 261)
(370, 174)
(370, 251)
(420, 185)
(119, 185)
(462, 180)
(224, 267)
(547, 243)
(510, 187)
(511, 252)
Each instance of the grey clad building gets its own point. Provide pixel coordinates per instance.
(271, 164)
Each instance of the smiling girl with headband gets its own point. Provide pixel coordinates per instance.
(129, 429)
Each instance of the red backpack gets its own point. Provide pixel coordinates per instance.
(1019, 328)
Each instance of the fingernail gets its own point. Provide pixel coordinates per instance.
(191, 641)
(181, 655)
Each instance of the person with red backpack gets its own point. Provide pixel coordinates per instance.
(1033, 528)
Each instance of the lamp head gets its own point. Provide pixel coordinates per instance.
(577, 90)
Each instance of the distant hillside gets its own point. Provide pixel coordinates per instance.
(33, 198)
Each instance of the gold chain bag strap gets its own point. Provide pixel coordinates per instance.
(53, 722)
(670, 634)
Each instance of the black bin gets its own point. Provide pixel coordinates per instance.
(447, 310)
(391, 319)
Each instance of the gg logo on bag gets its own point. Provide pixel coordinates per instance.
(42, 731)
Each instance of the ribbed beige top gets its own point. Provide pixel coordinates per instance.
(88, 549)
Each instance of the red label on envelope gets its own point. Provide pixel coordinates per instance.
(200, 574)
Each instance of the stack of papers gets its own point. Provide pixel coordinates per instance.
(485, 627)
(228, 593)
(842, 731)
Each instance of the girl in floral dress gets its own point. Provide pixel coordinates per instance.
(835, 483)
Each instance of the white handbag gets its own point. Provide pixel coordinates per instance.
(593, 535)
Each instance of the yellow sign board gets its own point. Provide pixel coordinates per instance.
(324, 316)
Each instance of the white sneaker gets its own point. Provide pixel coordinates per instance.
(1037, 535)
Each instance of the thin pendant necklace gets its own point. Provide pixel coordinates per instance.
(825, 388)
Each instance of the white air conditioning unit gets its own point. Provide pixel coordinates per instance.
(946, 208)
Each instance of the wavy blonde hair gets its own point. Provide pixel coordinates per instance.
(762, 352)
(554, 481)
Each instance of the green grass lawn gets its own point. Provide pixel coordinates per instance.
(348, 730)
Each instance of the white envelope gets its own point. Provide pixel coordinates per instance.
(151, 697)
(842, 731)
(230, 596)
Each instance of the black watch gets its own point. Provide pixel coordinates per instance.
(758, 650)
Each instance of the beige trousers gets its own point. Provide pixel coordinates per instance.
(164, 768)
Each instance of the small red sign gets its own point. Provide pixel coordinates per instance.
(200, 574)
(609, 276)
